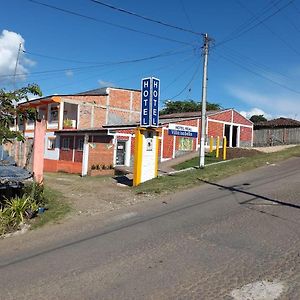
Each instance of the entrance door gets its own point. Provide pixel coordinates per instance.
(227, 133)
(121, 150)
(234, 136)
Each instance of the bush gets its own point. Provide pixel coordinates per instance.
(23, 206)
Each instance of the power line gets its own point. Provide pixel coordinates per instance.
(186, 14)
(131, 13)
(190, 82)
(259, 75)
(270, 30)
(257, 24)
(164, 54)
(107, 23)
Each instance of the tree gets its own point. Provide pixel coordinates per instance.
(258, 118)
(186, 106)
(9, 111)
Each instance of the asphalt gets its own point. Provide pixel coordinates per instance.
(197, 244)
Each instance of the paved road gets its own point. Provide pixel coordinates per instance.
(197, 244)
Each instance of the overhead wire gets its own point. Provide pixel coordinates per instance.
(231, 60)
(188, 84)
(146, 18)
(256, 24)
(100, 65)
(271, 30)
(107, 22)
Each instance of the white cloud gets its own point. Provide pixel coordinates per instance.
(9, 46)
(255, 111)
(104, 83)
(69, 73)
(271, 103)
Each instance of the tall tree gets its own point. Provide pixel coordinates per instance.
(9, 111)
(186, 106)
(258, 118)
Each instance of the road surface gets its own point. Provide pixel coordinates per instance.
(203, 243)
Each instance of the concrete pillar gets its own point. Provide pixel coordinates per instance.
(38, 151)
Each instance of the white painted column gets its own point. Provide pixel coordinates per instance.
(238, 136)
(61, 115)
(85, 156)
(174, 146)
(230, 135)
(127, 152)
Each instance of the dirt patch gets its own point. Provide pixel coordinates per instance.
(92, 195)
(239, 152)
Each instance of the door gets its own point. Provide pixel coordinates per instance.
(121, 149)
(227, 133)
(234, 136)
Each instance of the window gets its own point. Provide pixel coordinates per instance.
(53, 118)
(80, 143)
(65, 144)
(51, 143)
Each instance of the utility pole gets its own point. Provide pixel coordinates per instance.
(206, 41)
(16, 66)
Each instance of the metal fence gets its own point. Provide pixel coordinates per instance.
(276, 136)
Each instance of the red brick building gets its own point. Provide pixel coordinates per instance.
(96, 128)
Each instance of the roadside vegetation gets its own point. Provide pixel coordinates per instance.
(34, 205)
(214, 172)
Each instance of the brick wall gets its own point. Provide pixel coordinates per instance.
(101, 151)
(238, 118)
(215, 129)
(223, 116)
(246, 134)
(167, 145)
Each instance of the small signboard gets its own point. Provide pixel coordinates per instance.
(183, 130)
(149, 102)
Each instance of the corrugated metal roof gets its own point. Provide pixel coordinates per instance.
(10, 174)
(279, 123)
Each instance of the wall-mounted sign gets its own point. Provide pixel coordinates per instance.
(149, 102)
(183, 130)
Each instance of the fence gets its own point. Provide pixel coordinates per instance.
(276, 136)
(21, 152)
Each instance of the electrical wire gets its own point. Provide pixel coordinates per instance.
(187, 85)
(134, 14)
(106, 22)
(164, 54)
(258, 74)
(256, 24)
(271, 30)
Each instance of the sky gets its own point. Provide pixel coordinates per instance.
(78, 45)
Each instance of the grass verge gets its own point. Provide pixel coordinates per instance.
(179, 181)
(57, 208)
(209, 159)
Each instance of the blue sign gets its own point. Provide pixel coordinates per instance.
(182, 133)
(154, 102)
(149, 102)
(145, 105)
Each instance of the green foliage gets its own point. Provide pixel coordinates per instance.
(186, 106)
(258, 118)
(20, 207)
(8, 111)
(15, 208)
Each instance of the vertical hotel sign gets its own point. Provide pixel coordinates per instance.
(149, 102)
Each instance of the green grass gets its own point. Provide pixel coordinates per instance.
(179, 181)
(57, 209)
(209, 159)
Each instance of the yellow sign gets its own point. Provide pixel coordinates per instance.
(145, 155)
